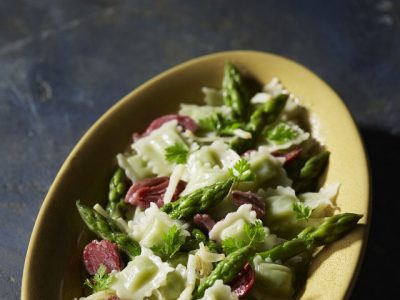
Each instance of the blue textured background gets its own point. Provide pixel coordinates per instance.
(63, 63)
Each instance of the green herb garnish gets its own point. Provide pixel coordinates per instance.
(172, 241)
(241, 171)
(281, 133)
(177, 153)
(101, 280)
(303, 212)
(255, 233)
(220, 124)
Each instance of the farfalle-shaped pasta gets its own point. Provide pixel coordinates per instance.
(272, 280)
(285, 135)
(295, 112)
(212, 96)
(199, 176)
(217, 154)
(232, 225)
(144, 274)
(151, 148)
(322, 202)
(173, 287)
(271, 89)
(279, 203)
(198, 112)
(219, 291)
(280, 216)
(209, 165)
(149, 226)
(268, 170)
(134, 166)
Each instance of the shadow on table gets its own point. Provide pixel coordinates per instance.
(379, 276)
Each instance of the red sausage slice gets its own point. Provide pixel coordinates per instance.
(204, 221)
(102, 252)
(244, 281)
(288, 156)
(148, 190)
(257, 203)
(186, 122)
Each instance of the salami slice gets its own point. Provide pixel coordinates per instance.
(288, 156)
(204, 221)
(257, 203)
(102, 252)
(148, 190)
(186, 122)
(244, 281)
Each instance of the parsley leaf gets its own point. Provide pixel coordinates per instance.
(231, 244)
(101, 280)
(220, 124)
(255, 233)
(281, 133)
(303, 212)
(241, 171)
(177, 153)
(172, 241)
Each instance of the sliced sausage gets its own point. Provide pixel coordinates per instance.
(257, 203)
(204, 221)
(103, 252)
(244, 281)
(288, 156)
(148, 190)
(186, 122)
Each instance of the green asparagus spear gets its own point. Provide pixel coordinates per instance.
(234, 91)
(307, 180)
(199, 200)
(226, 269)
(331, 230)
(264, 115)
(267, 113)
(197, 237)
(117, 190)
(108, 230)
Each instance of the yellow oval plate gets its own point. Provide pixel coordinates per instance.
(53, 268)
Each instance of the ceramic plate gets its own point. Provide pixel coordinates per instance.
(53, 267)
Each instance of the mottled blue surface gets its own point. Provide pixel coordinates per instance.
(63, 63)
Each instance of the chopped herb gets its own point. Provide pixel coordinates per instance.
(303, 212)
(241, 171)
(220, 124)
(177, 153)
(255, 233)
(101, 280)
(172, 241)
(281, 133)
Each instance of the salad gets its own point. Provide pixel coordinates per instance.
(219, 201)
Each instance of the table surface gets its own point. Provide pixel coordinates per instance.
(64, 63)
